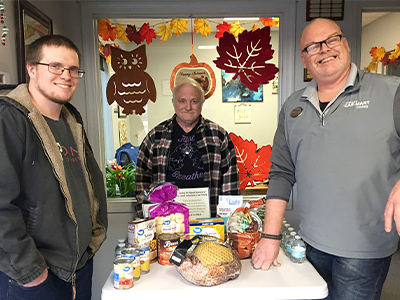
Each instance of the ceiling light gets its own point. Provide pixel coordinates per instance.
(207, 47)
(241, 19)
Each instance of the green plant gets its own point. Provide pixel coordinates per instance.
(120, 180)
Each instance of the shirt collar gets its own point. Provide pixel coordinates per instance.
(311, 90)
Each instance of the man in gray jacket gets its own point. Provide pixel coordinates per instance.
(338, 140)
(52, 204)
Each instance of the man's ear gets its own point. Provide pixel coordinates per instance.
(303, 61)
(31, 68)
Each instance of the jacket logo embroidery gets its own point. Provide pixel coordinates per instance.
(357, 104)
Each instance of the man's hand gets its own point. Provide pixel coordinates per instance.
(392, 210)
(266, 254)
(38, 280)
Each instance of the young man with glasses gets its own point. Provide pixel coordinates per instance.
(338, 139)
(53, 204)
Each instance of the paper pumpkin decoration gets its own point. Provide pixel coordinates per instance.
(201, 72)
(131, 87)
(247, 56)
(253, 163)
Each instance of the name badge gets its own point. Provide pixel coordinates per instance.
(296, 112)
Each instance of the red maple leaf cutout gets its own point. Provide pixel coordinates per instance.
(253, 163)
(247, 56)
(224, 27)
(132, 34)
(147, 33)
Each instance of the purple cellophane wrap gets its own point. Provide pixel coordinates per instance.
(164, 195)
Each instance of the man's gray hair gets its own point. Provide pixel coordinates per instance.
(188, 81)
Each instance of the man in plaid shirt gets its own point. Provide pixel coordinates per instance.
(189, 150)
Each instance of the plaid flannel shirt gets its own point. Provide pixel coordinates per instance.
(218, 155)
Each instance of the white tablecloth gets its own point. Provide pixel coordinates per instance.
(289, 281)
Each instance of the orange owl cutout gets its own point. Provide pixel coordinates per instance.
(131, 87)
(201, 72)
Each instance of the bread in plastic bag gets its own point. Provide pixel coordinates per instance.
(170, 216)
(210, 264)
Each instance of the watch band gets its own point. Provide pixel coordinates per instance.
(271, 236)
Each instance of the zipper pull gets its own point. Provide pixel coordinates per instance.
(73, 281)
(322, 120)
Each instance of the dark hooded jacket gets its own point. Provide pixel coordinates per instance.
(38, 224)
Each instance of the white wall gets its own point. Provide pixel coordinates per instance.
(383, 32)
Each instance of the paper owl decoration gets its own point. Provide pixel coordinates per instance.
(131, 87)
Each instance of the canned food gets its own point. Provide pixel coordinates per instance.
(167, 242)
(142, 231)
(134, 256)
(144, 258)
(123, 273)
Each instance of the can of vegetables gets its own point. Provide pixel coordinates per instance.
(144, 258)
(134, 255)
(123, 273)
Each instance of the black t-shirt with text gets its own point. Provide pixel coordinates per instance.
(185, 165)
(76, 182)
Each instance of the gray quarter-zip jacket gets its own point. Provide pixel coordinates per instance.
(38, 225)
(344, 161)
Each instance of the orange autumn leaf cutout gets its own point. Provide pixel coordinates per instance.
(253, 163)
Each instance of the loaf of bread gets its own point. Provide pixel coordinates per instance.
(210, 264)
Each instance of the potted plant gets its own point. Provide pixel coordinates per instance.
(120, 180)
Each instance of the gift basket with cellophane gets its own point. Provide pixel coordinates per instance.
(210, 263)
(244, 227)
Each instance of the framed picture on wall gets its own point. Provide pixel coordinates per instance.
(307, 76)
(32, 24)
(236, 91)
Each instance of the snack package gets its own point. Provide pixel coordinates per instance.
(143, 231)
(170, 216)
(210, 264)
(211, 226)
(244, 229)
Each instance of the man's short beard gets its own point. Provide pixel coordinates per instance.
(60, 101)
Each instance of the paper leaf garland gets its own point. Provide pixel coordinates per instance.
(131, 87)
(165, 32)
(147, 33)
(224, 27)
(133, 34)
(246, 57)
(109, 32)
(202, 27)
(201, 72)
(253, 163)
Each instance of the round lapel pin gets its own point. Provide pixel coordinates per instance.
(296, 112)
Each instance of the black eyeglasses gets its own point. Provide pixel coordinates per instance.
(58, 69)
(331, 42)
